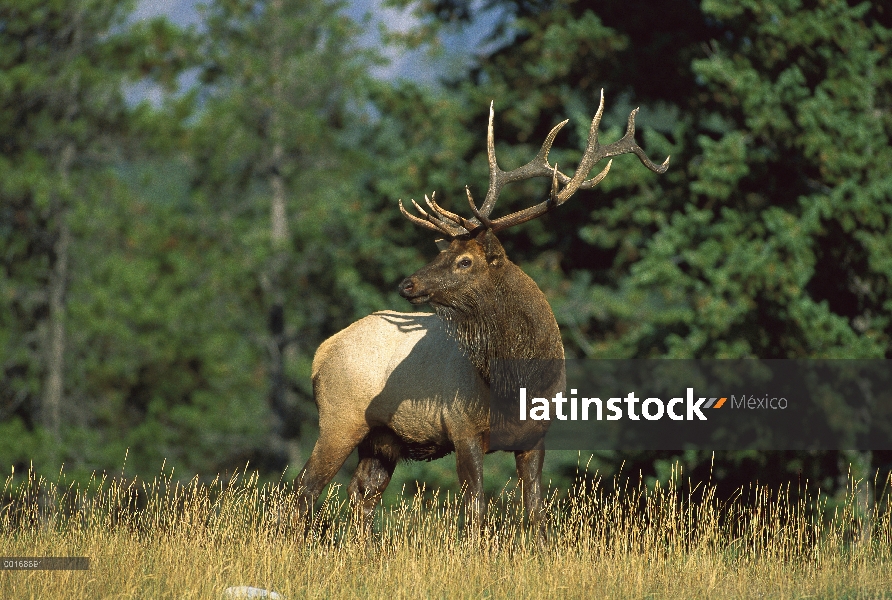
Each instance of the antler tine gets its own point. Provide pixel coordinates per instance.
(590, 183)
(416, 220)
(494, 171)
(439, 222)
(538, 167)
(480, 217)
(554, 184)
(633, 147)
(443, 213)
(434, 208)
(430, 222)
(594, 152)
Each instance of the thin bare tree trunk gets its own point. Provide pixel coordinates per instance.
(278, 214)
(54, 385)
(276, 317)
(279, 236)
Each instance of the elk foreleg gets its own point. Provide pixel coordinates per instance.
(469, 464)
(529, 474)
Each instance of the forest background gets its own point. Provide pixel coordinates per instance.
(168, 268)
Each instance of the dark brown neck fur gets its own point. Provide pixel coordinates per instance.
(505, 317)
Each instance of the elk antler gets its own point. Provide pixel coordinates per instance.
(443, 221)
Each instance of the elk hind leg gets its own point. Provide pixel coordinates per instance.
(378, 455)
(327, 458)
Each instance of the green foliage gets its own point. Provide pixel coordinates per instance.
(164, 360)
(801, 175)
(63, 68)
(282, 102)
(769, 235)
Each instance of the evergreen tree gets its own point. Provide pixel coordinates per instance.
(62, 118)
(165, 373)
(283, 91)
(768, 236)
(791, 223)
(63, 121)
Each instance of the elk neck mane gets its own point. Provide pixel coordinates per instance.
(507, 317)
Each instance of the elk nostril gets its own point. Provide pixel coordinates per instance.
(407, 286)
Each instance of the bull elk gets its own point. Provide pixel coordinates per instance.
(417, 385)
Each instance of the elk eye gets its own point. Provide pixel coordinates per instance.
(464, 263)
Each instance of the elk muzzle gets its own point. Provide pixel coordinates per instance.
(412, 291)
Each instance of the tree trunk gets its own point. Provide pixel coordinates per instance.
(276, 321)
(279, 235)
(54, 385)
(55, 360)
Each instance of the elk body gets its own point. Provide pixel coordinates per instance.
(417, 386)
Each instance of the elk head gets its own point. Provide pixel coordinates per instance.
(492, 307)
(471, 253)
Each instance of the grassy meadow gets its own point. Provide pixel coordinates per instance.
(164, 539)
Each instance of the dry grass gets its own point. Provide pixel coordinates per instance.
(162, 539)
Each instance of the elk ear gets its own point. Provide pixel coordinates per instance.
(492, 248)
(442, 244)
